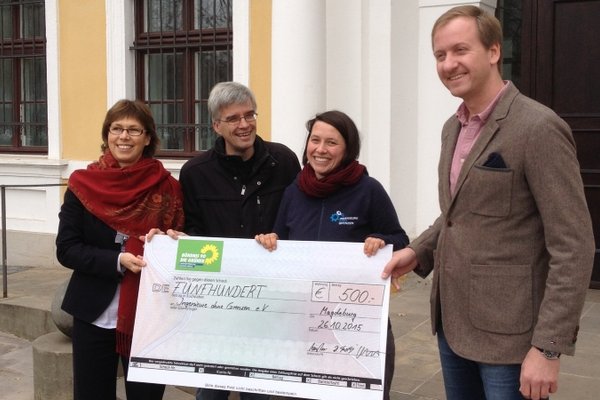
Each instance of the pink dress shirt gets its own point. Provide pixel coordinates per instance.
(471, 127)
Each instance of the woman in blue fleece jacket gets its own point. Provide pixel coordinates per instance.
(334, 199)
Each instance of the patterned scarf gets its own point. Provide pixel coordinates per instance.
(131, 200)
(346, 176)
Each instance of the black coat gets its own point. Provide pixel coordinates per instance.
(87, 246)
(225, 198)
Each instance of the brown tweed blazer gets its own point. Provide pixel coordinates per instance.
(512, 251)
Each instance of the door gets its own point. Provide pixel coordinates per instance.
(561, 69)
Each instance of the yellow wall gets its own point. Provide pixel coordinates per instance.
(83, 83)
(83, 79)
(260, 62)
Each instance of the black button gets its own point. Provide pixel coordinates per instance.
(449, 223)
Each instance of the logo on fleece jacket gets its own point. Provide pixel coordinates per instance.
(340, 218)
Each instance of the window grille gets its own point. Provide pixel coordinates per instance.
(183, 48)
(23, 92)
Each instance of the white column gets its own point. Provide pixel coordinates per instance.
(120, 60)
(404, 131)
(344, 55)
(376, 91)
(298, 68)
(241, 41)
(371, 75)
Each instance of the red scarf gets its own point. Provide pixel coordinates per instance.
(346, 176)
(131, 200)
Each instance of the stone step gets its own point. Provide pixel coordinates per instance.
(26, 314)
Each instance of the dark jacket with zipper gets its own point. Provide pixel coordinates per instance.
(227, 197)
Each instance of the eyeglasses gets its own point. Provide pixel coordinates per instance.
(117, 130)
(236, 119)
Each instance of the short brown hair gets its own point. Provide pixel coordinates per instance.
(135, 109)
(488, 26)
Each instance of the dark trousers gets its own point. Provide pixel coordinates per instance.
(390, 362)
(95, 364)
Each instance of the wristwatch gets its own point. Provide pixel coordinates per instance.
(550, 355)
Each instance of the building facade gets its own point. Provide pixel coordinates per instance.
(370, 59)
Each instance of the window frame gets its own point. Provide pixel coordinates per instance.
(189, 41)
(17, 49)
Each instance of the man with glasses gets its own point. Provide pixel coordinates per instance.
(234, 189)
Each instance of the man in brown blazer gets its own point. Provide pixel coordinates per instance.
(512, 251)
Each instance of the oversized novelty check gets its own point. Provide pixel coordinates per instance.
(306, 320)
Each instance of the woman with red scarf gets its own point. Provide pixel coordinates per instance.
(334, 199)
(107, 207)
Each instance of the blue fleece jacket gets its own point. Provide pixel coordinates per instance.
(351, 214)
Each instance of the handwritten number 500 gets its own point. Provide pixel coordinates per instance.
(354, 295)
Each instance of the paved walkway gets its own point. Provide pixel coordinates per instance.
(417, 377)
